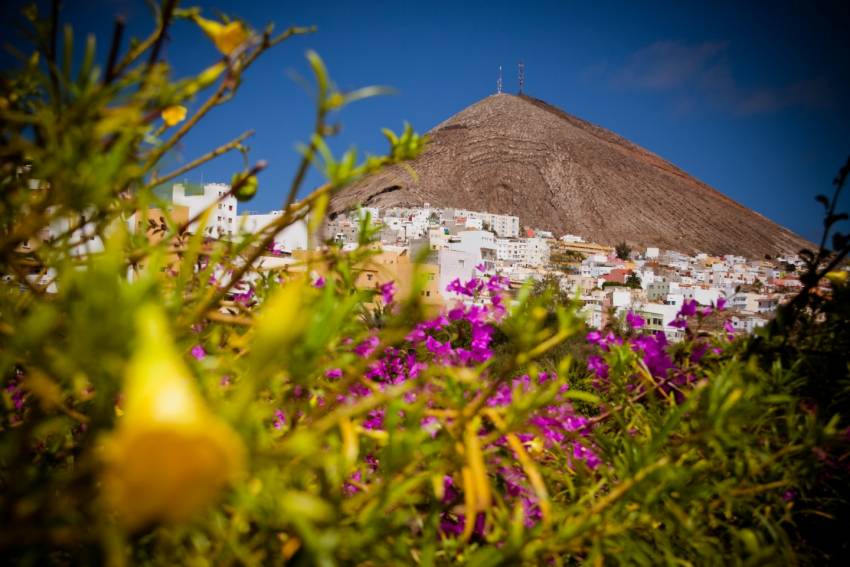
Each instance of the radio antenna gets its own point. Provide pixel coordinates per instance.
(521, 76)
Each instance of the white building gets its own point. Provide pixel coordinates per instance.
(222, 219)
(505, 226)
(479, 244)
(528, 252)
(455, 264)
(293, 237)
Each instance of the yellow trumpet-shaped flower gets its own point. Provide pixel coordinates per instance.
(169, 455)
(226, 37)
(838, 277)
(174, 114)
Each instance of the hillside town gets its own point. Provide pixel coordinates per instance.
(451, 244)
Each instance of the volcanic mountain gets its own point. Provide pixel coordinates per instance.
(519, 155)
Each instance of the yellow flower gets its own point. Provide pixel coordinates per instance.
(226, 37)
(174, 114)
(838, 277)
(169, 456)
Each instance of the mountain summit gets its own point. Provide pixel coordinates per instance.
(519, 155)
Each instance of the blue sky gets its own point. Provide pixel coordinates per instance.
(751, 100)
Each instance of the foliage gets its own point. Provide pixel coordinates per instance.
(623, 250)
(167, 403)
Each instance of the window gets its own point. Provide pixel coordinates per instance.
(428, 294)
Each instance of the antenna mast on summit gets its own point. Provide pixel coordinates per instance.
(521, 76)
(499, 81)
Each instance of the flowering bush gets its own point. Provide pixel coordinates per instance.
(164, 403)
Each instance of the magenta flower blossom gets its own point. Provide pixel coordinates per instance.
(198, 352)
(481, 267)
(721, 304)
(587, 455)
(597, 365)
(387, 292)
(374, 419)
(498, 283)
(689, 308)
(17, 392)
(469, 289)
(730, 329)
(417, 335)
(244, 298)
(319, 282)
(634, 320)
(367, 347)
(594, 337)
(333, 373)
(698, 352)
(457, 313)
(279, 419)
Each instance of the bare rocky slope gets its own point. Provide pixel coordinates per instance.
(518, 155)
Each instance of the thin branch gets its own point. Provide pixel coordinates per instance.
(117, 34)
(200, 161)
(167, 13)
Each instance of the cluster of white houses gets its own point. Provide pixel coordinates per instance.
(652, 282)
(457, 243)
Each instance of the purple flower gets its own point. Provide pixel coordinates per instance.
(594, 337)
(367, 347)
(17, 392)
(597, 365)
(279, 419)
(417, 335)
(655, 356)
(481, 267)
(198, 352)
(387, 292)
(348, 488)
(450, 494)
(729, 328)
(244, 298)
(689, 308)
(679, 323)
(319, 282)
(502, 397)
(587, 455)
(698, 352)
(333, 373)
(457, 313)
(634, 320)
(498, 283)
(454, 526)
(468, 289)
(374, 419)
(721, 304)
